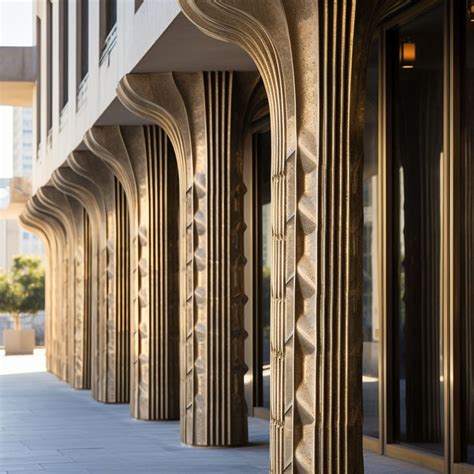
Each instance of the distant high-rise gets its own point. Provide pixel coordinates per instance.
(13, 239)
(22, 141)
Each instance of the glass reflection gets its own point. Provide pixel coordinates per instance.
(262, 248)
(265, 233)
(370, 367)
(417, 145)
(467, 302)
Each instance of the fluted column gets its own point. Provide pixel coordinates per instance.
(312, 60)
(143, 160)
(87, 193)
(113, 276)
(219, 264)
(71, 214)
(58, 326)
(198, 113)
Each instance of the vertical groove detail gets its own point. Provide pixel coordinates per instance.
(119, 303)
(159, 283)
(219, 364)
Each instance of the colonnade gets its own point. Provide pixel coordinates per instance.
(144, 232)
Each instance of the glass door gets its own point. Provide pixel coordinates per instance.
(416, 104)
(262, 243)
(418, 266)
(466, 306)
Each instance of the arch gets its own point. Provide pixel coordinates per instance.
(88, 194)
(138, 156)
(69, 212)
(58, 321)
(181, 103)
(113, 292)
(254, 121)
(312, 61)
(158, 98)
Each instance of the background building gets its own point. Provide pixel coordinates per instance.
(15, 239)
(22, 158)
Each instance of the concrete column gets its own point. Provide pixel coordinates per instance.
(312, 60)
(104, 198)
(197, 112)
(58, 339)
(143, 160)
(75, 185)
(71, 214)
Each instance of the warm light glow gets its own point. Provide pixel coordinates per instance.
(407, 54)
(470, 9)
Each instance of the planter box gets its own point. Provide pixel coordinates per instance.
(19, 341)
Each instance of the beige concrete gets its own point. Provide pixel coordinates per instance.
(316, 402)
(143, 161)
(19, 341)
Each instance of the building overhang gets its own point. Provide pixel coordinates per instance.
(17, 75)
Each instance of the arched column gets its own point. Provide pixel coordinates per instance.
(57, 233)
(71, 214)
(113, 275)
(143, 161)
(199, 113)
(87, 193)
(30, 222)
(312, 60)
(56, 205)
(160, 100)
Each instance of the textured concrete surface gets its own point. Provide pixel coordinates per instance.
(46, 426)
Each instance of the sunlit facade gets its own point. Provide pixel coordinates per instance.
(263, 209)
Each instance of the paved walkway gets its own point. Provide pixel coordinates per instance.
(45, 426)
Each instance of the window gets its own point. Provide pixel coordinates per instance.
(49, 64)
(370, 303)
(417, 104)
(108, 18)
(63, 52)
(467, 247)
(82, 66)
(262, 238)
(38, 81)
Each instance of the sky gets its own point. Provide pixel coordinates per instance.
(16, 29)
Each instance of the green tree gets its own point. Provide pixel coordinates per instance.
(22, 288)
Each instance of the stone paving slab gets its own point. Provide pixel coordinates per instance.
(46, 426)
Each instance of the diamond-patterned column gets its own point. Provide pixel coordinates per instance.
(197, 112)
(312, 58)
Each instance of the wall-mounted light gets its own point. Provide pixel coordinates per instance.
(470, 10)
(407, 54)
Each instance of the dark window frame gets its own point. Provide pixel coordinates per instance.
(38, 81)
(138, 4)
(82, 38)
(108, 20)
(49, 65)
(63, 53)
